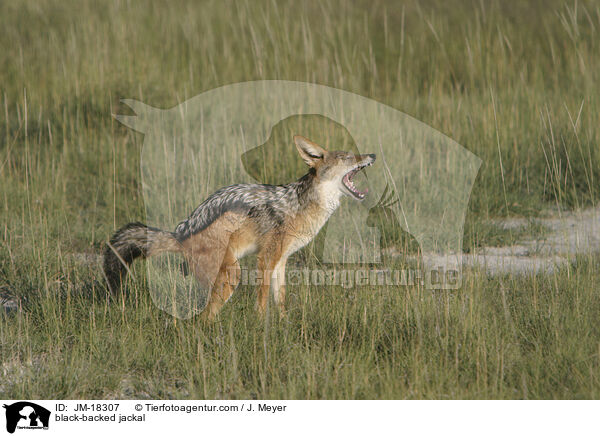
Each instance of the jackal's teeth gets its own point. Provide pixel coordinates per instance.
(349, 183)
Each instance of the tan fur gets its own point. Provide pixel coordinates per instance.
(214, 254)
(233, 236)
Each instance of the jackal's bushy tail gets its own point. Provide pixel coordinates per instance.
(130, 242)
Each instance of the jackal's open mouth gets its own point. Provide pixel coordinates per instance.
(348, 181)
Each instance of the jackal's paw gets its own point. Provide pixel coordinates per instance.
(261, 310)
(282, 312)
(208, 316)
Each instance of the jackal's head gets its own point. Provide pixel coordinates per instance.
(335, 169)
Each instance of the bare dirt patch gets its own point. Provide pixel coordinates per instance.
(568, 234)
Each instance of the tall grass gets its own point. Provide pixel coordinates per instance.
(515, 82)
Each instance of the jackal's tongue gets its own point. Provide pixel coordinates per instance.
(349, 183)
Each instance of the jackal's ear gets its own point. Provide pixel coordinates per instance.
(310, 152)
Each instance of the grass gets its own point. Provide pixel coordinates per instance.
(516, 83)
(495, 338)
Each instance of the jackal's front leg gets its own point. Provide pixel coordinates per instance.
(265, 270)
(271, 267)
(278, 285)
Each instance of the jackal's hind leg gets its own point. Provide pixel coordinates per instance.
(227, 280)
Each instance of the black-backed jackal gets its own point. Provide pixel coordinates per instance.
(272, 221)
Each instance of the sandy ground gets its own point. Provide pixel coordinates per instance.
(567, 234)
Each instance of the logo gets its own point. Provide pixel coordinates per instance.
(26, 415)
